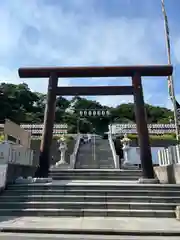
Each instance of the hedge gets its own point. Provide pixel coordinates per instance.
(163, 137)
(67, 138)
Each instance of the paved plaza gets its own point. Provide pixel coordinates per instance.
(92, 224)
(10, 236)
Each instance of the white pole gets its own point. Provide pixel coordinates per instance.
(160, 158)
(178, 153)
(94, 147)
(169, 62)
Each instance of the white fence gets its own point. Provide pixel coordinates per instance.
(17, 154)
(170, 155)
(131, 128)
(37, 129)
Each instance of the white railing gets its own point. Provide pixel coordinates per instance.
(113, 150)
(74, 154)
(16, 154)
(170, 155)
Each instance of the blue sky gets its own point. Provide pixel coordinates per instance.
(89, 32)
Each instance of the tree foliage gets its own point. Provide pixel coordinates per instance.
(21, 105)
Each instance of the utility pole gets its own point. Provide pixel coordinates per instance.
(94, 145)
(170, 78)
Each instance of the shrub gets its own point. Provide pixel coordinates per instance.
(163, 137)
(1, 138)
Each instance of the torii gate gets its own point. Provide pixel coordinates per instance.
(135, 72)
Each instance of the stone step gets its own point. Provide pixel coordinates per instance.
(88, 212)
(89, 198)
(100, 186)
(55, 172)
(88, 205)
(98, 192)
(95, 167)
(100, 173)
(103, 155)
(114, 171)
(98, 165)
(120, 178)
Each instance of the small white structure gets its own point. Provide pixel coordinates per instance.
(16, 154)
(62, 149)
(126, 147)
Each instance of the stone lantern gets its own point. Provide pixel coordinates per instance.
(62, 149)
(126, 146)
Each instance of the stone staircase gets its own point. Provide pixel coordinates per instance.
(95, 174)
(104, 154)
(85, 158)
(90, 198)
(95, 155)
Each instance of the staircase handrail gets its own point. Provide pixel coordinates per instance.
(74, 154)
(113, 150)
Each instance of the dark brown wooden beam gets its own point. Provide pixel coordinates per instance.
(94, 91)
(111, 71)
(46, 140)
(143, 134)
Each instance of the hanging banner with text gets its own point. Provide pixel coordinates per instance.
(94, 113)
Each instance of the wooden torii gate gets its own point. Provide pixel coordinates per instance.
(135, 72)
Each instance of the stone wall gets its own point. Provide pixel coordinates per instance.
(35, 145)
(16, 170)
(168, 174)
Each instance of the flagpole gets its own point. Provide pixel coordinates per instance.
(170, 78)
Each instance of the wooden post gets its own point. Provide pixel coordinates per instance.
(143, 134)
(49, 115)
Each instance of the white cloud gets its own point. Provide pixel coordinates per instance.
(113, 101)
(40, 34)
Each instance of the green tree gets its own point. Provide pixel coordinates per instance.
(20, 104)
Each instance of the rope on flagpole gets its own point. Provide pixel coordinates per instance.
(170, 78)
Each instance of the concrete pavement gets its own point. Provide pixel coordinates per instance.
(12, 236)
(90, 225)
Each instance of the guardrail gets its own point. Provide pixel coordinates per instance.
(115, 157)
(74, 154)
